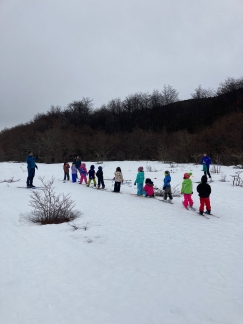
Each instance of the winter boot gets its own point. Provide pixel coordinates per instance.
(208, 212)
(200, 212)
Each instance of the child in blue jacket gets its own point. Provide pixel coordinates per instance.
(167, 186)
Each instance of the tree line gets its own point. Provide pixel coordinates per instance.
(142, 126)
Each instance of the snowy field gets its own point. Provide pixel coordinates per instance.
(140, 261)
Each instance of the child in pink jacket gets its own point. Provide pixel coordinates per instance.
(83, 173)
(148, 189)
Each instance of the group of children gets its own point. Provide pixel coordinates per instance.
(147, 190)
(84, 173)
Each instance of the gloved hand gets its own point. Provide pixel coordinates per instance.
(192, 192)
(36, 167)
(164, 188)
(134, 183)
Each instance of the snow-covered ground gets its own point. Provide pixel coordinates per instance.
(140, 261)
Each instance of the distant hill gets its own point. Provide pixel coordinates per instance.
(140, 127)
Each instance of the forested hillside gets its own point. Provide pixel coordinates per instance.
(142, 126)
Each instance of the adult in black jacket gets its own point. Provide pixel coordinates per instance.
(204, 191)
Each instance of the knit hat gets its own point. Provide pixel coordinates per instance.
(167, 172)
(187, 175)
(140, 168)
(92, 167)
(204, 179)
(29, 152)
(100, 168)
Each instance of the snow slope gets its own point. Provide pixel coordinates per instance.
(140, 261)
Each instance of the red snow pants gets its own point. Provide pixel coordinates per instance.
(204, 201)
(187, 200)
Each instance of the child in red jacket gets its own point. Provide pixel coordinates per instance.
(66, 168)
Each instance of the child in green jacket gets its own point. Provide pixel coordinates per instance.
(186, 190)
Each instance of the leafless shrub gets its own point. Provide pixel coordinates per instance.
(237, 180)
(9, 180)
(223, 177)
(85, 227)
(216, 168)
(149, 168)
(175, 191)
(173, 165)
(74, 226)
(159, 192)
(50, 208)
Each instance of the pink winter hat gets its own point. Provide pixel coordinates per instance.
(140, 168)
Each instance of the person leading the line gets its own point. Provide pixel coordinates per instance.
(31, 166)
(206, 161)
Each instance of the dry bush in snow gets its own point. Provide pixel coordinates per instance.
(49, 207)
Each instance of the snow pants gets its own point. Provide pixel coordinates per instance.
(66, 176)
(83, 177)
(101, 182)
(188, 200)
(207, 172)
(31, 174)
(117, 186)
(88, 184)
(139, 189)
(74, 177)
(168, 193)
(204, 201)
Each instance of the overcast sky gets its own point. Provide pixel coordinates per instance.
(53, 52)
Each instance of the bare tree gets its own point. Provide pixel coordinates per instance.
(230, 84)
(200, 93)
(169, 95)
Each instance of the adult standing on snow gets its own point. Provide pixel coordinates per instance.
(206, 161)
(30, 160)
(78, 163)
